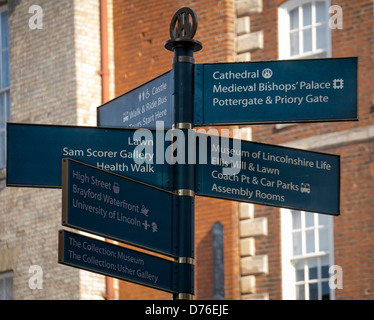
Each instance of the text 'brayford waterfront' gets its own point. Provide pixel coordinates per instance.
(109, 205)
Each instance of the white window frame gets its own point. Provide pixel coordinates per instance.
(284, 51)
(289, 260)
(7, 107)
(284, 47)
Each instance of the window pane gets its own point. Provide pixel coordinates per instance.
(5, 69)
(313, 291)
(325, 291)
(299, 266)
(312, 266)
(296, 239)
(3, 112)
(4, 109)
(320, 11)
(323, 239)
(294, 19)
(309, 241)
(300, 294)
(294, 41)
(9, 288)
(7, 105)
(2, 289)
(307, 14)
(309, 219)
(296, 220)
(4, 97)
(325, 267)
(321, 37)
(4, 30)
(2, 149)
(307, 38)
(323, 219)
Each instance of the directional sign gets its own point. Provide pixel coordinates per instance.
(140, 107)
(118, 262)
(109, 205)
(272, 175)
(35, 153)
(276, 91)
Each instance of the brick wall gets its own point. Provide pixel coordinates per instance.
(54, 80)
(354, 229)
(142, 27)
(87, 60)
(41, 73)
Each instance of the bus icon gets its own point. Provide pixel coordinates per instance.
(305, 188)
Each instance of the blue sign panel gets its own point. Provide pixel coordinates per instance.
(140, 107)
(272, 175)
(276, 91)
(116, 261)
(109, 205)
(35, 153)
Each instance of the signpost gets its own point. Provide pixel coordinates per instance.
(110, 205)
(151, 204)
(273, 175)
(119, 262)
(141, 107)
(35, 153)
(276, 91)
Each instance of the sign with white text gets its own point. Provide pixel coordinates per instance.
(140, 107)
(276, 91)
(273, 175)
(97, 256)
(35, 153)
(112, 206)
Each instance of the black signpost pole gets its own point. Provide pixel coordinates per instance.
(182, 29)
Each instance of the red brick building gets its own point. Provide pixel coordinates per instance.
(52, 72)
(272, 253)
(351, 242)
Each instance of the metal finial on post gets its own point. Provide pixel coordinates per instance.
(183, 27)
